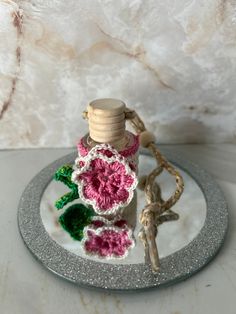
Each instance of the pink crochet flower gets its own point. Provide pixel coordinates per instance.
(106, 239)
(105, 180)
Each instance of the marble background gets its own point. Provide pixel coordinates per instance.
(173, 61)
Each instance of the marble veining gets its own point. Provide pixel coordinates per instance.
(173, 61)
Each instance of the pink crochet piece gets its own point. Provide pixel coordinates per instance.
(107, 239)
(99, 221)
(83, 150)
(105, 180)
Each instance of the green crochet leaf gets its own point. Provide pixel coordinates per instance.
(63, 174)
(75, 218)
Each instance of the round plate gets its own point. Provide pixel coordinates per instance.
(130, 276)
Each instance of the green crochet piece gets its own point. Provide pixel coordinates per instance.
(63, 174)
(75, 218)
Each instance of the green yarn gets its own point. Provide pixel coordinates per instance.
(63, 174)
(75, 218)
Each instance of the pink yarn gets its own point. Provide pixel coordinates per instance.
(108, 238)
(81, 163)
(82, 149)
(106, 183)
(96, 223)
(108, 243)
(132, 150)
(127, 152)
(105, 179)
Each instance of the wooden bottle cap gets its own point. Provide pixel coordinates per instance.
(106, 120)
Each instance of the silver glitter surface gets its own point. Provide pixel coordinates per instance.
(130, 277)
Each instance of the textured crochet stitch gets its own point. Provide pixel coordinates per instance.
(83, 150)
(105, 180)
(107, 239)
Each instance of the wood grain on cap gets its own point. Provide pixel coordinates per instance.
(106, 120)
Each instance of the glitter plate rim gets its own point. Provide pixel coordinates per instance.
(129, 277)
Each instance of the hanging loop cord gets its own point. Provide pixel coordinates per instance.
(152, 214)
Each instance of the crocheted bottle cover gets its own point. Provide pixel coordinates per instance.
(156, 210)
(130, 151)
(106, 180)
